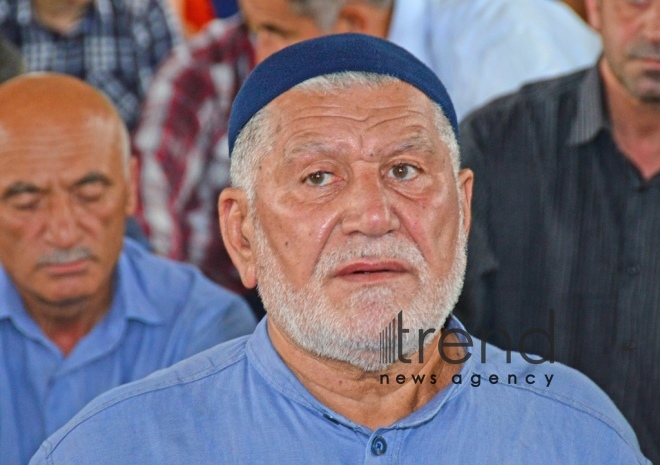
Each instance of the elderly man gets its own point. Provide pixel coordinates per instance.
(567, 214)
(181, 139)
(82, 311)
(115, 45)
(349, 212)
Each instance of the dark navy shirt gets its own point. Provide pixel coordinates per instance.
(564, 223)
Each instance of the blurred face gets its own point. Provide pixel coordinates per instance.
(275, 25)
(630, 30)
(357, 217)
(64, 197)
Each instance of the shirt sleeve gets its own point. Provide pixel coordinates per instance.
(235, 320)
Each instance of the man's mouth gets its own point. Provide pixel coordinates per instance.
(371, 270)
(67, 268)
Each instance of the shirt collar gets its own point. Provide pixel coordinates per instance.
(265, 359)
(103, 7)
(129, 294)
(591, 117)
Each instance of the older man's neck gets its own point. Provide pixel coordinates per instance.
(66, 325)
(366, 398)
(59, 16)
(635, 125)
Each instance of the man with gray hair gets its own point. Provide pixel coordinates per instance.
(349, 212)
(82, 309)
(479, 48)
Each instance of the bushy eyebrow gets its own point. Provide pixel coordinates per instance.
(315, 148)
(19, 188)
(417, 143)
(22, 187)
(91, 178)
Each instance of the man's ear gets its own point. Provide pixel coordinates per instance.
(237, 231)
(593, 13)
(465, 182)
(132, 186)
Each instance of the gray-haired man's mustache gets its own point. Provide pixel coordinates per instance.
(61, 256)
(645, 50)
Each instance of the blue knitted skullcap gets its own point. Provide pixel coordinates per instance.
(327, 55)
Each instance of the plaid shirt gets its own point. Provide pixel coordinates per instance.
(181, 141)
(116, 47)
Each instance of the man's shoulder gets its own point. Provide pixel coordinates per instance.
(191, 382)
(221, 41)
(166, 282)
(559, 391)
(535, 97)
(220, 52)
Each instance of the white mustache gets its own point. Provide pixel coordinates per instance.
(62, 256)
(383, 248)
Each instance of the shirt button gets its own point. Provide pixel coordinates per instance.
(379, 446)
(628, 346)
(634, 269)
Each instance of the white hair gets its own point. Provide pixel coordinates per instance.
(256, 138)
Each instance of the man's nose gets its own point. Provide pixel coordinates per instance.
(652, 23)
(369, 209)
(62, 229)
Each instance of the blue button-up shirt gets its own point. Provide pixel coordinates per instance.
(239, 403)
(162, 312)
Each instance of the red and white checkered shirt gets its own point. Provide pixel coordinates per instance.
(181, 142)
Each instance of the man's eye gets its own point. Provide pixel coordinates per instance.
(25, 202)
(404, 172)
(320, 178)
(90, 192)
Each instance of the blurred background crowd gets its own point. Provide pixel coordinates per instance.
(173, 67)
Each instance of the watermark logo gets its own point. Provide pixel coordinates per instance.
(391, 343)
(391, 349)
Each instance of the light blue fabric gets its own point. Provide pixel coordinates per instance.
(482, 49)
(162, 312)
(238, 403)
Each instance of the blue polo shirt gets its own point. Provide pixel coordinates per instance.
(162, 312)
(238, 403)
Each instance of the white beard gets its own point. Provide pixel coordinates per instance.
(350, 331)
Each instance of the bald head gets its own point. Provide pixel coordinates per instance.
(48, 106)
(65, 192)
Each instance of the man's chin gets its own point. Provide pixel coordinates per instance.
(63, 300)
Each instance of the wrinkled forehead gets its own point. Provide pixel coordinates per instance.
(49, 148)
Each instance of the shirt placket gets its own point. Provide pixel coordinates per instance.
(630, 297)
